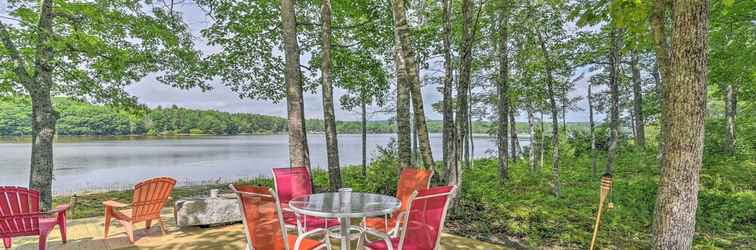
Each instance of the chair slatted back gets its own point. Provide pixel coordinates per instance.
(411, 180)
(427, 212)
(291, 182)
(149, 197)
(263, 221)
(19, 211)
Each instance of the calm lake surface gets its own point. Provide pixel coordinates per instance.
(108, 163)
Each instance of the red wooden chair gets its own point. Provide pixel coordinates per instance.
(263, 222)
(20, 216)
(421, 229)
(291, 183)
(410, 180)
(149, 197)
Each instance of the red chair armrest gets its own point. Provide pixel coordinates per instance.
(59, 209)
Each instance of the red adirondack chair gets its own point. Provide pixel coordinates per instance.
(421, 228)
(149, 197)
(293, 182)
(410, 180)
(20, 216)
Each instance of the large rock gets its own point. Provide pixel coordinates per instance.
(207, 211)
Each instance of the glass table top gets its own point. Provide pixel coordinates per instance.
(356, 205)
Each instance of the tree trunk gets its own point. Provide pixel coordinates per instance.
(43, 133)
(564, 109)
(503, 95)
(297, 151)
(413, 132)
(614, 64)
(407, 58)
(660, 38)
(685, 103)
(471, 144)
(464, 75)
(43, 114)
(731, 109)
(450, 159)
(542, 144)
(515, 142)
(364, 138)
(531, 135)
(640, 131)
(592, 125)
(554, 120)
(404, 132)
(329, 118)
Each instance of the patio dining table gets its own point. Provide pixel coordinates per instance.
(344, 206)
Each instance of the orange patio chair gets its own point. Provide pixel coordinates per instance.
(264, 223)
(149, 197)
(410, 180)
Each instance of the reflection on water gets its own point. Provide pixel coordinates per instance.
(86, 163)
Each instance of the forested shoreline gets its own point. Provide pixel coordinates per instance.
(77, 118)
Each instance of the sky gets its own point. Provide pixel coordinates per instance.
(152, 93)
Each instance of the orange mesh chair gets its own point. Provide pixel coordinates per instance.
(149, 197)
(263, 222)
(410, 180)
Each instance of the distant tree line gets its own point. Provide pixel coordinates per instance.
(81, 118)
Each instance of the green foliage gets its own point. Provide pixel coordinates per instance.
(99, 47)
(524, 208)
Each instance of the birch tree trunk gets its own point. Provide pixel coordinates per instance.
(531, 135)
(542, 144)
(554, 120)
(731, 109)
(503, 95)
(464, 82)
(363, 107)
(450, 159)
(404, 133)
(329, 117)
(297, 139)
(677, 198)
(564, 108)
(514, 141)
(614, 64)
(640, 131)
(407, 58)
(592, 125)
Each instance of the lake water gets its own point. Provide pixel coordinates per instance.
(107, 163)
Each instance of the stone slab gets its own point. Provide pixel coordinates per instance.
(203, 211)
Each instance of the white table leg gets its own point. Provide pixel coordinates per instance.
(345, 233)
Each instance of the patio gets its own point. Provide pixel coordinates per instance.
(87, 234)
